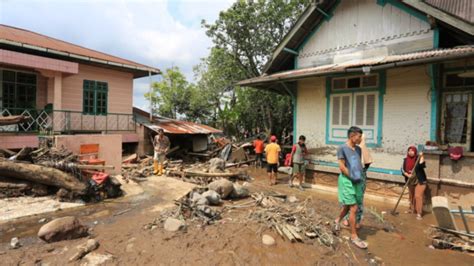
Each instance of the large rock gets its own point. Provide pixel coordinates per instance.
(239, 192)
(217, 165)
(222, 186)
(173, 225)
(62, 229)
(212, 197)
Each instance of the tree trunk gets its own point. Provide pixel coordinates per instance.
(43, 175)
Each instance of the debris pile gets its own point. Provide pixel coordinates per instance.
(292, 220)
(46, 171)
(442, 239)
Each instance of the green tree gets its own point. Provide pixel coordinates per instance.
(244, 37)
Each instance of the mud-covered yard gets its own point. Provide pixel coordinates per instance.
(120, 226)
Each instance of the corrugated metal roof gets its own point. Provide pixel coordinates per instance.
(463, 9)
(26, 37)
(464, 51)
(172, 126)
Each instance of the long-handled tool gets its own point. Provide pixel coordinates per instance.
(409, 180)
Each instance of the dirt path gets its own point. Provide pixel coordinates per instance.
(231, 241)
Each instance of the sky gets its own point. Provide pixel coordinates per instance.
(158, 33)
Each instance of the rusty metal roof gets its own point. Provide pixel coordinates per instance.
(463, 9)
(172, 126)
(414, 58)
(37, 42)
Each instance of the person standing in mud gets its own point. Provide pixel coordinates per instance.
(414, 168)
(367, 160)
(298, 151)
(162, 145)
(273, 154)
(349, 187)
(258, 145)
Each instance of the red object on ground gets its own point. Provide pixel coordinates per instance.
(455, 153)
(100, 177)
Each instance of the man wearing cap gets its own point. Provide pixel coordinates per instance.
(162, 145)
(273, 153)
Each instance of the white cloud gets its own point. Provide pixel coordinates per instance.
(158, 33)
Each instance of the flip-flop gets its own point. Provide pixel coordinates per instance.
(359, 243)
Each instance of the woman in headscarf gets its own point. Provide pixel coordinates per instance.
(414, 169)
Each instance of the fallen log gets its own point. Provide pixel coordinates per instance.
(43, 175)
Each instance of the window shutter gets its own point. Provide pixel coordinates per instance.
(336, 107)
(345, 116)
(359, 111)
(370, 114)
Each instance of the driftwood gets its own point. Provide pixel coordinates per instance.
(43, 175)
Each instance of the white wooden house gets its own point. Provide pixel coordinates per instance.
(403, 71)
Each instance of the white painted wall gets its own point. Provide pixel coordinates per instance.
(406, 116)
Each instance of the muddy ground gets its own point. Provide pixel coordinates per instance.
(118, 225)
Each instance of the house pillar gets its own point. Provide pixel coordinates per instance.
(57, 91)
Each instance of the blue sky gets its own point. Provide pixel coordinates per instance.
(159, 33)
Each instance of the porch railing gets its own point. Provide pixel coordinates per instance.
(68, 121)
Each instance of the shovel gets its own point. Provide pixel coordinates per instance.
(409, 180)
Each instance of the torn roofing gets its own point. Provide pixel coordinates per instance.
(171, 126)
(28, 41)
(316, 13)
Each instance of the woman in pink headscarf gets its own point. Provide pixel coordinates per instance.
(414, 167)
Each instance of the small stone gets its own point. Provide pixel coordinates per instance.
(96, 222)
(378, 259)
(173, 225)
(94, 258)
(129, 247)
(15, 243)
(292, 199)
(431, 247)
(43, 220)
(153, 227)
(268, 240)
(212, 197)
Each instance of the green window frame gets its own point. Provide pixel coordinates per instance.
(355, 100)
(18, 90)
(95, 97)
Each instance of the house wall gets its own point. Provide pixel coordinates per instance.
(110, 147)
(405, 120)
(364, 29)
(120, 84)
(41, 91)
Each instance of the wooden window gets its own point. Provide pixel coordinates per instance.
(456, 125)
(95, 97)
(355, 82)
(18, 91)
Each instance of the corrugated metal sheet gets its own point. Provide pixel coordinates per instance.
(321, 70)
(463, 9)
(172, 126)
(23, 36)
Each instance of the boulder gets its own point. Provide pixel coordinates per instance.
(222, 186)
(217, 165)
(62, 229)
(212, 197)
(239, 192)
(173, 225)
(268, 240)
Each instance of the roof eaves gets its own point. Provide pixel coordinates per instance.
(441, 15)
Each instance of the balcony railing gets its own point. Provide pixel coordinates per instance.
(68, 121)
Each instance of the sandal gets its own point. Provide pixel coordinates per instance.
(336, 228)
(418, 217)
(359, 243)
